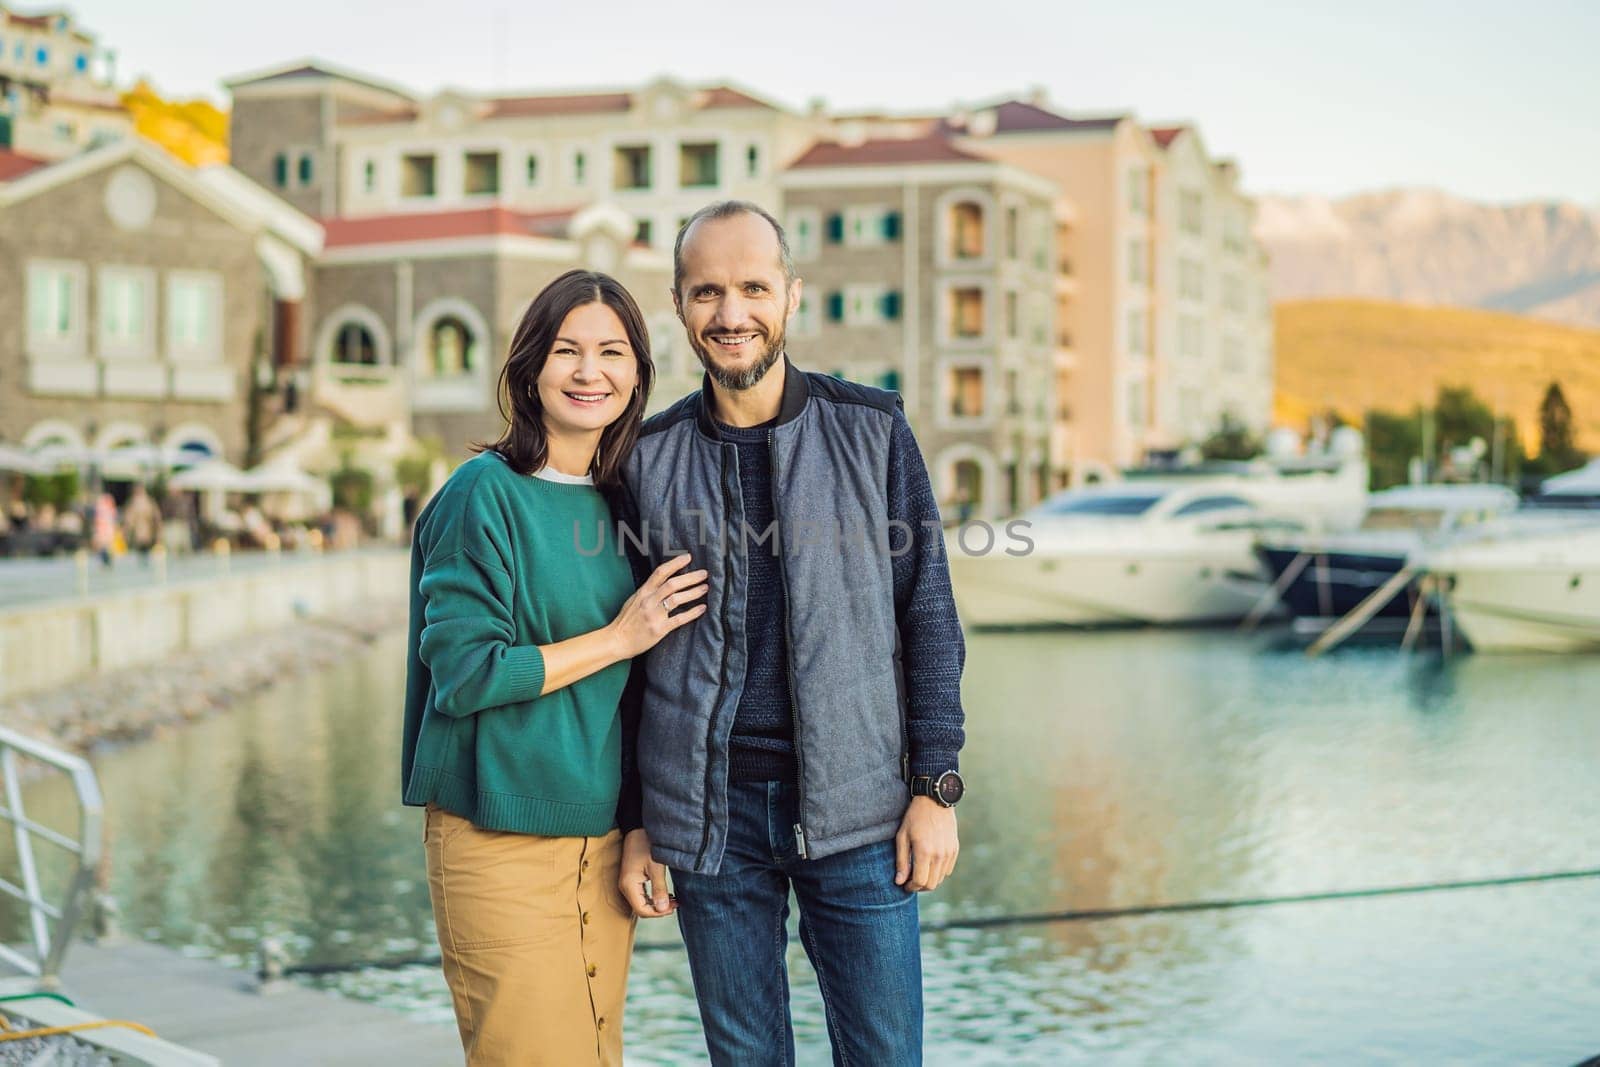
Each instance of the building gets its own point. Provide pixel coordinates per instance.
(143, 300)
(340, 144)
(56, 91)
(1159, 289)
(928, 269)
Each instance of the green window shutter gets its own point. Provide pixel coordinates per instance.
(890, 304)
(305, 169)
(835, 307)
(835, 228)
(891, 226)
(890, 380)
(280, 169)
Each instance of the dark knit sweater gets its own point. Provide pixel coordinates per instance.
(930, 633)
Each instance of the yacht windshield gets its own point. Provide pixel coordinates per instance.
(1090, 504)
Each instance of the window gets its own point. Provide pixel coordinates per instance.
(1191, 211)
(805, 238)
(126, 326)
(1232, 292)
(1138, 198)
(55, 306)
(631, 167)
(1201, 505)
(1013, 325)
(865, 227)
(1189, 336)
(642, 232)
(698, 166)
(580, 166)
(369, 176)
(280, 170)
(355, 345)
(81, 63)
(1013, 233)
(531, 171)
(194, 316)
(966, 312)
(451, 351)
(966, 231)
(1013, 393)
(1136, 262)
(1136, 403)
(417, 175)
(305, 169)
(482, 176)
(1136, 333)
(1232, 354)
(965, 385)
(42, 56)
(1099, 503)
(1191, 279)
(752, 161)
(870, 305)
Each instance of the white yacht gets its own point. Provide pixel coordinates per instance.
(1526, 591)
(1126, 553)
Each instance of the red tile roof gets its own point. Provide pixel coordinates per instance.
(724, 96)
(14, 164)
(443, 225)
(1016, 116)
(574, 104)
(1165, 135)
(885, 152)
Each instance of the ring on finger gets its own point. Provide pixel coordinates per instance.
(666, 604)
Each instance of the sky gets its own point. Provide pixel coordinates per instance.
(1495, 100)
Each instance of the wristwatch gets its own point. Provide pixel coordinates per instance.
(947, 789)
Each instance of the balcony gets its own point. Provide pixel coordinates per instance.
(361, 394)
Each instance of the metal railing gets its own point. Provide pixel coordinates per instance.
(49, 941)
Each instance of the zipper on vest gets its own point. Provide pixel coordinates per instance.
(728, 493)
(788, 660)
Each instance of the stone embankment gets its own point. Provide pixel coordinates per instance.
(116, 707)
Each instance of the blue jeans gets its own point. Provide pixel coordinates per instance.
(859, 929)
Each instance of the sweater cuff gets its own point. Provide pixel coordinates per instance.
(931, 763)
(524, 665)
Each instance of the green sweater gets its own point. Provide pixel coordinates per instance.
(502, 563)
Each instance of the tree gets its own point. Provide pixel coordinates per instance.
(1392, 440)
(1231, 439)
(1558, 447)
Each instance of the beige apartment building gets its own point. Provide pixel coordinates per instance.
(1159, 284)
(56, 92)
(928, 269)
(341, 144)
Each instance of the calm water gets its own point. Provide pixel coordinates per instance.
(1105, 770)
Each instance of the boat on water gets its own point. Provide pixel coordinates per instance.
(1531, 581)
(1130, 553)
(1320, 578)
(1525, 592)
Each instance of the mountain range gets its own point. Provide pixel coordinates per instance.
(1422, 246)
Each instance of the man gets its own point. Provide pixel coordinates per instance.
(805, 732)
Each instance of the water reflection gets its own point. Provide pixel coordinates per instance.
(1105, 770)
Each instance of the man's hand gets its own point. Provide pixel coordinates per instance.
(643, 881)
(925, 849)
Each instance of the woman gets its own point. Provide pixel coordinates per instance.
(521, 636)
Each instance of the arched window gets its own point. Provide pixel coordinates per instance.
(451, 349)
(354, 344)
(966, 231)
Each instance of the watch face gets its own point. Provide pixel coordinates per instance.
(949, 788)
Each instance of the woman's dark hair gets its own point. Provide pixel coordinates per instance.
(524, 444)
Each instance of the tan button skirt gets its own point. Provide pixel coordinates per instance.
(535, 940)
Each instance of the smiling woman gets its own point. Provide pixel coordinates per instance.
(520, 647)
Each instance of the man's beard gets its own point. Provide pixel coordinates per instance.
(739, 380)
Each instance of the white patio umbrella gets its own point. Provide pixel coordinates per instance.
(284, 476)
(17, 461)
(217, 475)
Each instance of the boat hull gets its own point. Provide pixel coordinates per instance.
(1332, 584)
(1526, 609)
(1106, 589)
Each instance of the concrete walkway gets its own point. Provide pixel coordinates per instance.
(203, 1005)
